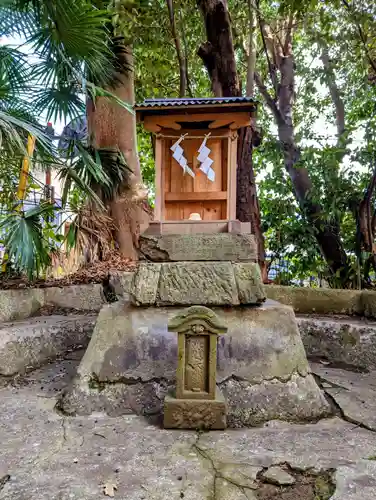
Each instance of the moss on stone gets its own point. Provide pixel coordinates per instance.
(318, 300)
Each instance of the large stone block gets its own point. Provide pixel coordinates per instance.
(209, 283)
(132, 347)
(29, 344)
(249, 282)
(122, 283)
(317, 300)
(81, 297)
(368, 301)
(199, 247)
(197, 283)
(341, 341)
(144, 286)
(20, 304)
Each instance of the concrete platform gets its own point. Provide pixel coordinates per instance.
(45, 455)
(27, 344)
(340, 339)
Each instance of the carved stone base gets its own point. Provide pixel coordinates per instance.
(197, 283)
(195, 413)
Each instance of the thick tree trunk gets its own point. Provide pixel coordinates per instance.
(247, 204)
(218, 52)
(219, 59)
(113, 127)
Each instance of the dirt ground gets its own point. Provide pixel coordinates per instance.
(94, 273)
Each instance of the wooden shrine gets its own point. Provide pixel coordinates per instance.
(195, 161)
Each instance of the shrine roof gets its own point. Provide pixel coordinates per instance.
(193, 104)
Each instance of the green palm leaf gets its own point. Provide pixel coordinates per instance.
(14, 72)
(59, 103)
(27, 249)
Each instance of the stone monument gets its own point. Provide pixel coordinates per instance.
(197, 403)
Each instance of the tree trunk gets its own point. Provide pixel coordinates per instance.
(113, 127)
(251, 57)
(219, 59)
(365, 219)
(218, 52)
(247, 204)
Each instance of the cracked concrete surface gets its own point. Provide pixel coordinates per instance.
(353, 394)
(48, 456)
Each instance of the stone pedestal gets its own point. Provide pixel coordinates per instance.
(195, 413)
(262, 369)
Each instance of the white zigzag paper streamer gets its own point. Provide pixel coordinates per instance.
(206, 162)
(178, 155)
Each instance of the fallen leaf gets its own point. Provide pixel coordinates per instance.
(109, 489)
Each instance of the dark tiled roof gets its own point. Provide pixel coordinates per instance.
(161, 103)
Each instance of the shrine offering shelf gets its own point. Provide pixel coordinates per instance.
(196, 196)
(197, 227)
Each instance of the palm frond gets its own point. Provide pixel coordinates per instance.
(91, 233)
(59, 103)
(98, 173)
(27, 249)
(11, 128)
(14, 72)
(14, 19)
(94, 91)
(84, 172)
(71, 31)
(117, 171)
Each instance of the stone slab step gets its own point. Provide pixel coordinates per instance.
(28, 344)
(342, 340)
(353, 393)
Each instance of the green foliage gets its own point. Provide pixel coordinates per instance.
(71, 57)
(26, 241)
(72, 41)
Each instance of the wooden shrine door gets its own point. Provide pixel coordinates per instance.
(183, 194)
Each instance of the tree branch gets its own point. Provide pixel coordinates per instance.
(268, 98)
(362, 36)
(272, 69)
(181, 59)
(288, 38)
(333, 89)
